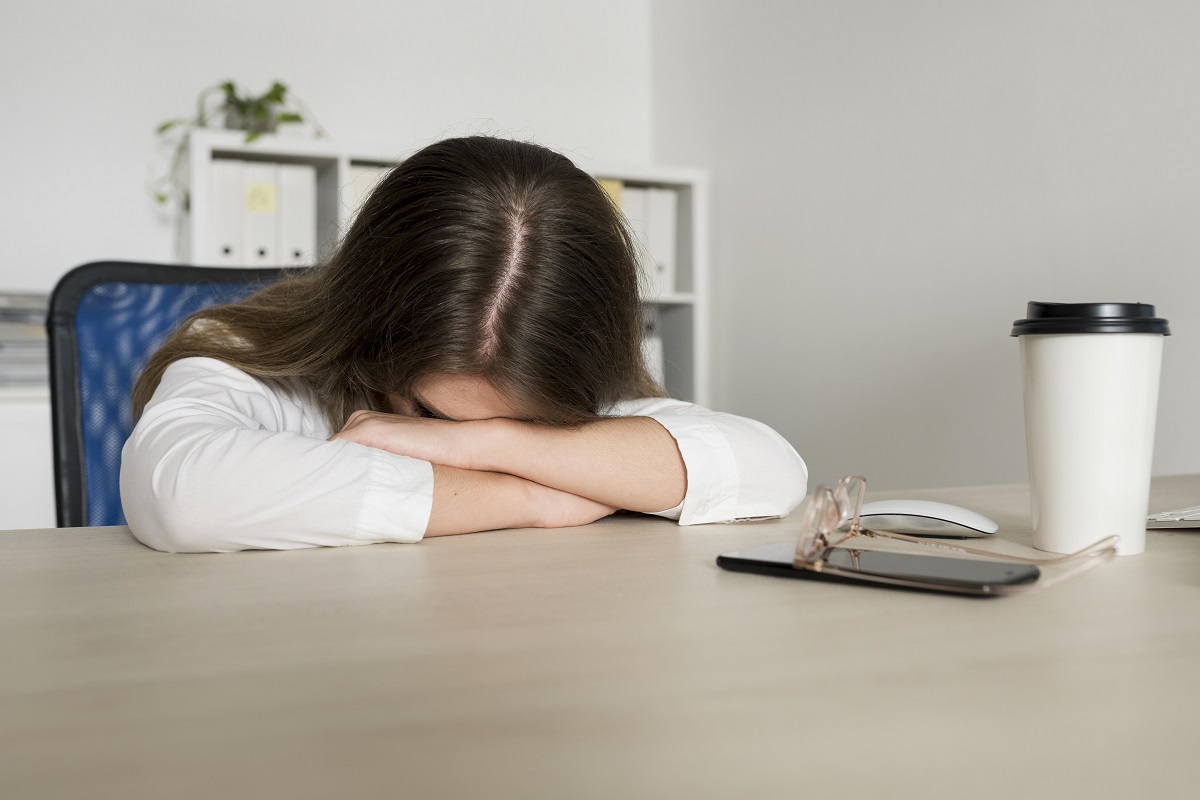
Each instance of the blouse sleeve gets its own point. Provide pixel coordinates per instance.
(737, 468)
(221, 461)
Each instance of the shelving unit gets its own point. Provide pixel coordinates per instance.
(334, 172)
(679, 315)
(28, 471)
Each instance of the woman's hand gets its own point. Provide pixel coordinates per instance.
(437, 441)
(558, 509)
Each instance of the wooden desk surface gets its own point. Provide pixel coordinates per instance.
(609, 661)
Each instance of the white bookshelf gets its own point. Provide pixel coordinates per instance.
(680, 312)
(334, 169)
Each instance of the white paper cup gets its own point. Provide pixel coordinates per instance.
(1091, 375)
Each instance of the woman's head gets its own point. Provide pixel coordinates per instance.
(477, 258)
(496, 259)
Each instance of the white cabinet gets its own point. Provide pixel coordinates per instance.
(27, 469)
(678, 312)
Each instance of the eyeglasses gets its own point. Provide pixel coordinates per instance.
(831, 518)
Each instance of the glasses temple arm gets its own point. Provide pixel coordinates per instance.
(1099, 548)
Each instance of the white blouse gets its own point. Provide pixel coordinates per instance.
(222, 461)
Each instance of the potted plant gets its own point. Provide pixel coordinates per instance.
(254, 114)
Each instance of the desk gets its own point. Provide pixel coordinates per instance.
(609, 661)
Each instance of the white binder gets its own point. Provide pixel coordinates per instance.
(634, 205)
(655, 358)
(260, 208)
(653, 352)
(297, 230)
(224, 236)
(363, 180)
(662, 207)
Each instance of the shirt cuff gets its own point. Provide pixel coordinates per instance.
(397, 501)
(713, 480)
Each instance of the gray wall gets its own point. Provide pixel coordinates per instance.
(892, 183)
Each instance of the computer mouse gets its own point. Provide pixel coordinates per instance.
(926, 518)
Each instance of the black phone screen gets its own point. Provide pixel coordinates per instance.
(776, 559)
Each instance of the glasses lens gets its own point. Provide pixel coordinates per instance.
(821, 517)
(849, 496)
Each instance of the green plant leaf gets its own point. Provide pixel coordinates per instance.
(276, 94)
(166, 126)
(289, 116)
(161, 198)
(252, 135)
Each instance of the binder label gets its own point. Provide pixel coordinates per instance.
(260, 198)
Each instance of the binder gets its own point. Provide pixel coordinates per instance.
(259, 215)
(23, 344)
(661, 212)
(24, 367)
(634, 205)
(363, 180)
(16, 333)
(613, 188)
(224, 235)
(28, 307)
(653, 353)
(297, 234)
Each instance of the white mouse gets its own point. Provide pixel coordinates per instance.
(925, 518)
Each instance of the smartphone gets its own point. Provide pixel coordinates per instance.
(946, 573)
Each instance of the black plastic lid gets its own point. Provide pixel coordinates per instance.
(1090, 318)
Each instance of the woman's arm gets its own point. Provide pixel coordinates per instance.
(738, 468)
(466, 501)
(629, 463)
(220, 461)
(656, 455)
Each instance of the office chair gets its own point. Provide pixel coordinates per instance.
(106, 319)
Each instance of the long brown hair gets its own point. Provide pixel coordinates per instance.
(476, 256)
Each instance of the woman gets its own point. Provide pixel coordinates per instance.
(468, 360)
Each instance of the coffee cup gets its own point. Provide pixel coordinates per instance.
(1091, 374)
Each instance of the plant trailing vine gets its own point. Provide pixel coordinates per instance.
(255, 115)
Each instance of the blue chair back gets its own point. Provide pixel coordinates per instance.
(106, 319)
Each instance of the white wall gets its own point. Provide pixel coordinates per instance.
(892, 183)
(87, 83)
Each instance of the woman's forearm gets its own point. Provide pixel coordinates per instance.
(627, 462)
(465, 501)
